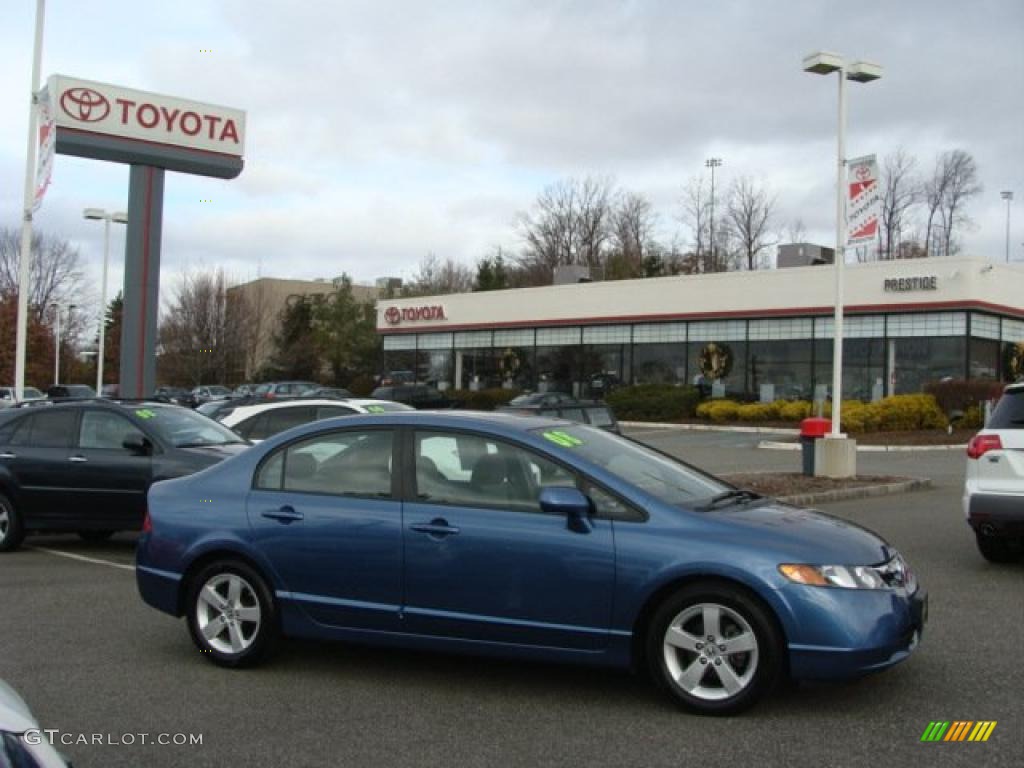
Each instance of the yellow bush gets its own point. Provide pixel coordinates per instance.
(794, 410)
(756, 412)
(723, 410)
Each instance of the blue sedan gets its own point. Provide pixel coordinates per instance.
(522, 537)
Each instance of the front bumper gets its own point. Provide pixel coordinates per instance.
(874, 630)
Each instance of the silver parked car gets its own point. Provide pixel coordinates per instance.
(22, 741)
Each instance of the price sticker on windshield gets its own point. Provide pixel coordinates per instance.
(563, 439)
(145, 413)
(375, 409)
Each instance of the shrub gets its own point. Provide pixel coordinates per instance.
(721, 411)
(653, 402)
(960, 394)
(903, 412)
(361, 385)
(482, 399)
(794, 410)
(757, 412)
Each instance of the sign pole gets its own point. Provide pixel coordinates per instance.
(25, 258)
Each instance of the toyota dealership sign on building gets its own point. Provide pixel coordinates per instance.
(112, 110)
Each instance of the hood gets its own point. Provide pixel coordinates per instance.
(15, 716)
(804, 535)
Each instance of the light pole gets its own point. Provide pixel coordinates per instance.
(56, 328)
(1007, 195)
(120, 217)
(712, 163)
(825, 63)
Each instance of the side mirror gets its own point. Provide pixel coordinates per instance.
(569, 502)
(137, 445)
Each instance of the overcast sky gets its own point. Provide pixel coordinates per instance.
(380, 131)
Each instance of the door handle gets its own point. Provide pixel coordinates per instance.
(285, 514)
(8, 455)
(437, 528)
(78, 459)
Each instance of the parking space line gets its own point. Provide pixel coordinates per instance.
(83, 558)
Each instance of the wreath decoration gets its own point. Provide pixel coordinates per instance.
(1013, 362)
(509, 362)
(716, 361)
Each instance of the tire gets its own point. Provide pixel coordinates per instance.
(231, 613)
(12, 531)
(95, 537)
(743, 661)
(995, 549)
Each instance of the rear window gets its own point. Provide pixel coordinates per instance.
(1009, 411)
(600, 417)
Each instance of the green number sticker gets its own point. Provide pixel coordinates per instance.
(375, 409)
(145, 413)
(563, 439)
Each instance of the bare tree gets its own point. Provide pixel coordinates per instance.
(434, 277)
(796, 231)
(962, 186)
(953, 183)
(202, 333)
(748, 215)
(632, 236)
(570, 224)
(901, 191)
(55, 276)
(696, 215)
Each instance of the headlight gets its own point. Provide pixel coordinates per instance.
(890, 575)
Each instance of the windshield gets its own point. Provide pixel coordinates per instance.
(660, 476)
(183, 428)
(31, 393)
(220, 391)
(387, 406)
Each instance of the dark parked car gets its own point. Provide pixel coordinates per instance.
(173, 395)
(524, 537)
(70, 390)
(591, 412)
(206, 394)
(86, 465)
(277, 390)
(419, 396)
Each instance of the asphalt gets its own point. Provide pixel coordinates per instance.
(78, 643)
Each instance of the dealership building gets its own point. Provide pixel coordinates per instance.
(764, 334)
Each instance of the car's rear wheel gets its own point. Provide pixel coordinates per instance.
(714, 648)
(231, 614)
(11, 531)
(996, 550)
(94, 537)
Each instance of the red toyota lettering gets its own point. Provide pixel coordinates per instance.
(147, 116)
(125, 104)
(229, 132)
(211, 121)
(169, 117)
(190, 123)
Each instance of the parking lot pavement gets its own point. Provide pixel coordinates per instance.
(91, 658)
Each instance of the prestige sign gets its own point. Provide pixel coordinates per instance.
(396, 315)
(111, 110)
(904, 284)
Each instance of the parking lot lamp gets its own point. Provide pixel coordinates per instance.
(97, 214)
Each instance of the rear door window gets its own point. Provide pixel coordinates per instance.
(286, 418)
(105, 431)
(1009, 412)
(51, 429)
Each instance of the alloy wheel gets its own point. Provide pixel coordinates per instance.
(228, 613)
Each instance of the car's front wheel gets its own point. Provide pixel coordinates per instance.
(231, 614)
(714, 648)
(11, 530)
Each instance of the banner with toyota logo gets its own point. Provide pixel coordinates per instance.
(864, 205)
(46, 123)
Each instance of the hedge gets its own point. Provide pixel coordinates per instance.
(653, 402)
(482, 399)
(896, 413)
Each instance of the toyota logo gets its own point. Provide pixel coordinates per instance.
(862, 172)
(393, 315)
(85, 104)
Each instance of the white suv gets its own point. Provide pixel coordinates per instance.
(262, 420)
(994, 489)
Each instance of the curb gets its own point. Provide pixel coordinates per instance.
(772, 445)
(862, 492)
(708, 428)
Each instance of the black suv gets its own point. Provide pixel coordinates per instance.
(419, 396)
(86, 465)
